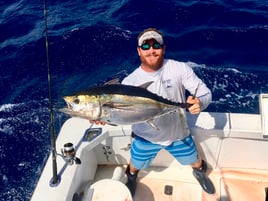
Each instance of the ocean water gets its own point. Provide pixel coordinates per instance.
(93, 41)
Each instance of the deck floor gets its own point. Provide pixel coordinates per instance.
(230, 184)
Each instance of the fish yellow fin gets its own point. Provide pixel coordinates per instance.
(146, 85)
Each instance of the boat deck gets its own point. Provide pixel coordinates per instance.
(234, 146)
(230, 184)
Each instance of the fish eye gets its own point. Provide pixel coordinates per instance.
(76, 101)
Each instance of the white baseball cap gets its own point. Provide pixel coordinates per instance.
(150, 34)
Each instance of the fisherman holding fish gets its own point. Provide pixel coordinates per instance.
(151, 99)
(169, 79)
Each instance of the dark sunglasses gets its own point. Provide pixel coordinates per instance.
(147, 46)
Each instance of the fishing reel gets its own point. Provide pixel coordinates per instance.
(68, 154)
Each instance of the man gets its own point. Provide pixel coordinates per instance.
(170, 80)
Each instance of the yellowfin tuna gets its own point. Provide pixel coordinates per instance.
(119, 104)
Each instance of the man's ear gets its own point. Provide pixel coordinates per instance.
(138, 50)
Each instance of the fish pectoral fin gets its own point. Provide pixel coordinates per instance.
(116, 105)
(152, 124)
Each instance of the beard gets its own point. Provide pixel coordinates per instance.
(152, 61)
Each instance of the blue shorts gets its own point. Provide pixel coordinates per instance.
(143, 152)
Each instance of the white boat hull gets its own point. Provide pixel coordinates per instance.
(232, 145)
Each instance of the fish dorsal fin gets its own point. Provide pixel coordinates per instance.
(113, 81)
(146, 84)
(116, 81)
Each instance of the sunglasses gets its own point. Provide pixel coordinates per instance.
(147, 46)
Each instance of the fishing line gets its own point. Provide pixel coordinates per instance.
(55, 179)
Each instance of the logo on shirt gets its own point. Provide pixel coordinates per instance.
(167, 83)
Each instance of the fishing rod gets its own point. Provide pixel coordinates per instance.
(55, 178)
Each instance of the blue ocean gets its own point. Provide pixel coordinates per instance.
(91, 42)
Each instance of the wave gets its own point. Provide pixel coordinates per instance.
(232, 90)
(24, 147)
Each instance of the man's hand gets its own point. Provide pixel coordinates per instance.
(97, 122)
(196, 105)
